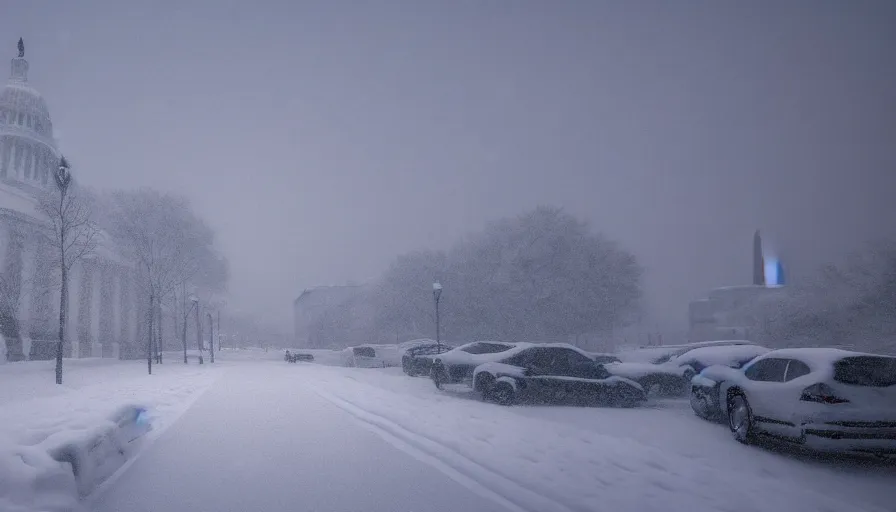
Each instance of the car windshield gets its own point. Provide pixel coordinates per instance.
(866, 371)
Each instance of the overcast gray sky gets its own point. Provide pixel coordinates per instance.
(320, 139)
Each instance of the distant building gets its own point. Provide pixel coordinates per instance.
(102, 305)
(724, 315)
(313, 302)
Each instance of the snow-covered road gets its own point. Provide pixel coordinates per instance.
(272, 436)
(262, 439)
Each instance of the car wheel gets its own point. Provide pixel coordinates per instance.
(740, 418)
(503, 393)
(437, 376)
(698, 403)
(484, 384)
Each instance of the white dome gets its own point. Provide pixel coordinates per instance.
(27, 149)
(23, 106)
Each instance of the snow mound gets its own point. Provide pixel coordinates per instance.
(59, 443)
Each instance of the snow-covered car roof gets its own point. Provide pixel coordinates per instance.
(654, 354)
(460, 356)
(727, 355)
(407, 345)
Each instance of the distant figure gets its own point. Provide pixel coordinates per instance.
(287, 357)
(21, 48)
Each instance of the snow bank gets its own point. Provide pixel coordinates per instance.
(552, 467)
(58, 443)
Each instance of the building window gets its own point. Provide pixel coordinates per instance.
(19, 119)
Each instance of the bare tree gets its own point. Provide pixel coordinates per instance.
(73, 237)
(169, 243)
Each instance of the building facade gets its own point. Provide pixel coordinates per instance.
(102, 303)
(314, 302)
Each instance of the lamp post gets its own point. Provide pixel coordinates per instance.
(198, 327)
(436, 293)
(211, 336)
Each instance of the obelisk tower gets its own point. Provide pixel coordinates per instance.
(758, 260)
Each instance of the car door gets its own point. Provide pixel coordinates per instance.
(788, 396)
(762, 388)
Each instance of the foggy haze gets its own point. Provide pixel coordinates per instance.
(322, 139)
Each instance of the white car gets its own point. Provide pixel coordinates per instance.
(374, 356)
(673, 376)
(827, 399)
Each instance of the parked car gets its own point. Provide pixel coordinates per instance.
(418, 360)
(663, 353)
(297, 356)
(672, 376)
(555, 373)
(826, 399)
(374, 356)
(456, 366)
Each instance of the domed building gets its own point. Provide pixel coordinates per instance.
(102, 304)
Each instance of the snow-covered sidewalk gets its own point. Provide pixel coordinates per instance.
(90, 420)
(576, 465)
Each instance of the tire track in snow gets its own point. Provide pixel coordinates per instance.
(459, 468)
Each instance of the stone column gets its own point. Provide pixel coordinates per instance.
(105, 337)
(43, 336)
(127, 314)
(114, 272)
(96, 312)
(86, 310)
(27, 292)
(12, 292)
(72, 345)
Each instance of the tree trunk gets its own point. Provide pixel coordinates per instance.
(199, 333)
(184, 338)
(63, 305)
(158, 311)
(152, 301)
(211, 338)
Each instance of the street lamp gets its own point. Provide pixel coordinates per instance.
(195, 301)
(436, 293)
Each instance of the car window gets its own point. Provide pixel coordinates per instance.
(572, 358)
(796, 369)
(872, 371)
(524, 359)
(544, 358)
(486, 348)
(767, 370)
(364, 352)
